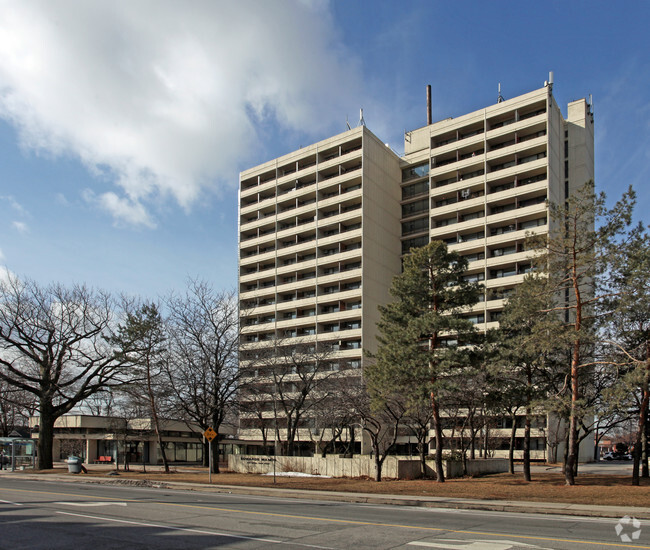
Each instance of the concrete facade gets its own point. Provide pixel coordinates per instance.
(322, 229)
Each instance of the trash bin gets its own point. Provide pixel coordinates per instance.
(74, 464)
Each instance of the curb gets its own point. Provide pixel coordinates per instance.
(550, 508)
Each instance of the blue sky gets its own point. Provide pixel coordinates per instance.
(123, 126)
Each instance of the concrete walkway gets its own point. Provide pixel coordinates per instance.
(365, 498)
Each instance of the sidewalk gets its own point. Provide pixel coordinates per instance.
(365, 498)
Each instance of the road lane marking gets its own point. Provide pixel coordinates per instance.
(474, 545)
(9, 502)
(10, 489)
(198, 531)
(93, 504)
(402, 526)
(346, 521)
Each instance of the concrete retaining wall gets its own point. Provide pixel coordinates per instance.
(358, 466)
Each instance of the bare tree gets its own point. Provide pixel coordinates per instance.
(53, 345)
(16, 406)
(204, 373)
(380, 419)
(142, 343)
(291, 374)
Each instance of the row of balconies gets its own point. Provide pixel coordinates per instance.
(299, 167)
(261, 303)
(497, 147)
(328, 200)
(326, 254)
(325, 182)
(331, 235)
(337, 342)
(324, 274)
(442, 219)
(476, 169)
(306, 237)
(334, 309)
(475, 226)
(520, 118)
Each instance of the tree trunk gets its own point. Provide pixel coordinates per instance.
(572, 457)
(206, 453)
(511, 446)
(643, 414)
(527, 445)
(161, 446)
(215, 454)
(440, 475)
(378, 465)
(45, 436)
(644, 451)
(422, 447)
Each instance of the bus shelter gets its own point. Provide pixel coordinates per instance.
(17, 453)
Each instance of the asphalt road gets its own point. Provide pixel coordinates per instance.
(53, 515)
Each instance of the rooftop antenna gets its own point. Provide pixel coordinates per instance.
(500, 97)
(347, 123)
(361, 121)
(429, 118)
(550, 81)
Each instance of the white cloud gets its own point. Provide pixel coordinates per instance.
(122, 209)
(165, 98)
(21, 227)
(14, 204)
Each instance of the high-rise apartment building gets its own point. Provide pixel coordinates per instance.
(319, 244)
(480, 182)
(322, 229)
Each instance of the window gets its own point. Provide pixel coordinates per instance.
(504, 251)
(351, 286)
(503, 229)
(475, 278)
(532, 223)
(472, 236)
(414, 189)
(478, 318)
(474, 257)
(417, 171)
(415, 243)
(413, 208)
(499, 273)
(472, 216)
(445, 222)
(415, 226)
(503, 208)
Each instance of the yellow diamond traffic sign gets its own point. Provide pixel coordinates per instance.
(210, 434)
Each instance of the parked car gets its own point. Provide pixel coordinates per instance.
(617, 456)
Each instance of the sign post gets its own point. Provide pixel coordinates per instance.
(209, 434)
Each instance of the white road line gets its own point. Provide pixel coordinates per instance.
(9, 502)
(93, 504)
(469, 511)
(198, 531)
(473, 545)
